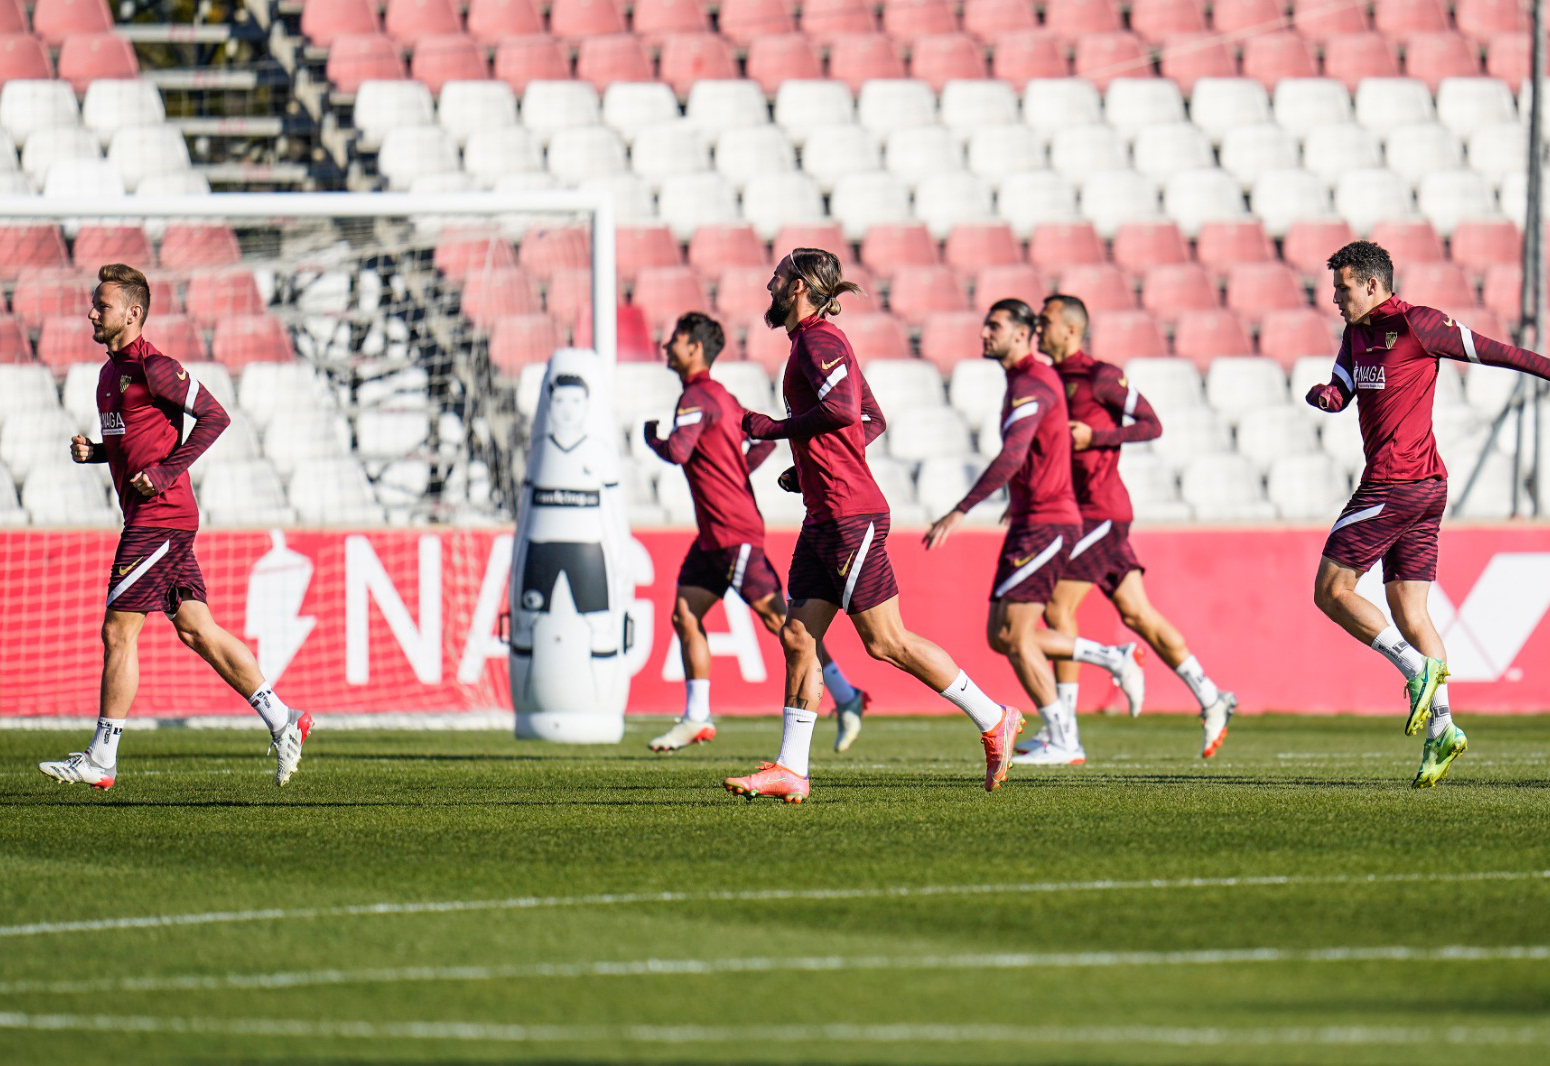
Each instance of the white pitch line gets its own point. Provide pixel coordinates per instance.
(162, 921)
(491, 1032)
(781, 964)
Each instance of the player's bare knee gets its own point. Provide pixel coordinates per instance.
(116, 638)
(1059, 617)
(888, 649)
(795, 640)
(1136, 621)
(684, 621)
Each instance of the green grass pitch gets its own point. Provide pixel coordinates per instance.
(462, 897)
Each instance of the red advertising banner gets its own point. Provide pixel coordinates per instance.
(366, 622)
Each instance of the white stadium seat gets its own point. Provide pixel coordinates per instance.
(747, 382)
(1498, 151)
(969, 105)
(216, 379)
(45, 147)
(139, 152)
(238, 443)
(1170, 148)
(295, 435)
(1340, 437)
(246, 492)
(1466, 104)
(549, 106)
(79, 396)
(1194, 197)
(1265, 434)
(633, 203)
(1281, 197)
(1169, 385)
(1051, 104)
(916, 434)
(382, 105)
(715, 107)
(26, 387)
(1132, 104)
(27, 106)
(631, 106)
(1153, 486)
(1190, 432)
(1242, 384)
(948, 198)
(1513, 196)
(1032, 198)
(84, 178)
(1224, 488)
(975, 390)
(669, 149)
(410, 151)
(1452, 196)
(901, 385)
(1383, 103)
(832, 151)
(12, 513)
(686, 203)
(1363, 197)
(1308, 487)
(111, 104)
(771, 201)
(1331, 150)
(173, 183)
(779, 507)
(1304, 104)
(494, 151)
(802, 105)
(401, 484)
(1249, 151)
(63, 493)
(1111, 198)
(643, 391)
(893, 477)
(917, 152)
(29, 439)
(888, 104)
(1076, 152)
(334, 492)
(1219, 105)
(585, 152)
(1487, 388)
(942, 481)
(267, 388)
(997, 153)
(390, 434)
(466, 107)
(747, 151)
(861, 201)
(1421, 148)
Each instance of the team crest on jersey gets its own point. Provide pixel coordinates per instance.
(1389, 339)
(1370, 377)
(1070, 390)
(123, 382)
(112, 423)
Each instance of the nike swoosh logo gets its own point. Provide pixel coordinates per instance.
(1025, 399)
(688, 410)
(182, 375)
(826, 367)
(1447, 322)
(846, 568)
(123, 571)
(1023, 561)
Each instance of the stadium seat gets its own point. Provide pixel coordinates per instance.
(575, 20)
(1481, 20)
(974, 389)
(68, 494)
(1498, 152)
(1332, 149)
(1160, 151)
(1111, 198)
(885, 248)
(1439, 285)
(461, 253)
(357, 57)
(947, 57)
(1076, 18)
(741, 292)
(1236, 386)
(667, 150)
(948, 198)
(179, 337)
(46, 292)
(973, 245)
(640, 247)
(550, 107)
(994, 283)
(629, 107)
(1403, 19)
(830, 152)
(1036, 200)
(918, 291)
(494, 294)
(243, 339)
(29, 105)
(1221, 245)
(1000, 153)
(1118, 336)
(324, 20)
(410, 21)
(1383, 103)
(1139, 246)
(55, 20)
(924, 433)
(691, 201)
(113, 103)
(942, 481)
(1190, 59)
(1170, 290)
(686, 58)
(742, 154)
(1102, 57)
(522, 340)
(1365, 196)
(1131, 104)
(333, 492)
(1357, 57)
(1053, 247)
(14, 345)
(63, 339)
(389, 433)
(1255, 288)
(1302, 105)
(771, 348)
(910, 20)
(824, 20)
(1277, 56)
(972, 104)
(1466, 105)
(1076, 152)
(1409, 240)
(586, 152)
(919, 152)
(950, 337)
(24, 57)
(993, 21)
(469, 107)
(1021, 56)
(1051, 104)
(1289, 334)
(411, 151)
(884, 105)
(139, 152)
(1514, 198)
(619, 57)
(1421, 148)
(1307, 487)
(1268, 434)
(1218, 105)
(866, 200)
(520, 61)
(27, 246)
(76, 178)
(1508, 56)
(543, 252)
(248, 492)
(1248, 152)
(653, 18)
(1160, 21)
(1478, 244)
(775, 59)
(1204, 336)
(747, 382)
(1319, 20)
(46, 147)
(213, 295)
(1195, 198)
(493, 21)
(1101, 286)
(802, 106)
(447, 58)
(773, 201)
(716, 247)
(28, 388)
(664, 293)
(1434, 57)
(904, 385)
(1255, 16)
(1501, 289)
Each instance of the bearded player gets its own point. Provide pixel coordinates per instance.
(1107, 412)
(841, 560)
(707, 440)
(143, 400)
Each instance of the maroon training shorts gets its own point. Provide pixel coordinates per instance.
(1396, 521)
(844, 562)
(1033, 558)
(743, 567)
(154, 570)
(1102, 555)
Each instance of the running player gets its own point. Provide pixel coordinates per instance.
(1101, 401)
(143, 398)
(707, 441)
(841, 560)
(1388, 364)
(1035, 465)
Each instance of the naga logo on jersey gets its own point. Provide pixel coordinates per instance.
(1369, 377)
(112, 423)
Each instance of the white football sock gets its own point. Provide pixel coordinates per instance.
(1203, 687)
(1398, 651)
(1442, 714)
(697, 699)
(103, 749)
(1091, 653)
(270, 708)
(967, 697)
(839, 687)
(796, 739)
(1067, 691)
(1062, 726)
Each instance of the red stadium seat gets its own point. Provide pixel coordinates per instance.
(1319, 20)
(664, 293)
(1239, 16)
(639, 247)
(1480, 20)
(1290, 334)
(652, 18)
(54, 20)
(324, 20)
(577, 19)
(66, 339)
(1502, 289)
(213, 296)
(782, 57)
(746, 21)
(918, 291)
(452, 57)
(166, 297)
(357, 57)
(519, 60)
(567, 291)
(616, 57)
(1439, 285)
(28, 246)
(819, 235)
(1025, 54)
(1403, 19)
(1118, 336)
(188, 245)
(24, 56)
(1348, 58)
(888, 246)
(44, 292)
(994, 20)
(1160, 20)
(178, 336)
(1486, 323)
(543, 251)
(1507, 56)
(13, 19)
(491, 295)
(714, 248)
(99, 244)
(948, 338)
(1138, 246)
(517, 341)
(1201, 336)
(770, 348)
(1408, 240)
(1255, 288)
(868, 299)
(1101, 286)
(1269, 57)
(14, 345)
(741, 292)
(632, 335)
(1056, 245)
(88, 57)
(492, 21)
(1102, 57)
(460, 253)
(1219, 245)
(1477, 245)
(907, 20)
(1014, 280)
(690, 57)
(1430, 57)
(1308, 245)
(860, 57)
(1073, 19)
(1188, 59)
(1169, 290)
(874, 335)
(824, 20)
(945, 57)
(244, 339)
(972, 245)
(407, 21)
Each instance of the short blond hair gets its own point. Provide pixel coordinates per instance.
(131, 281)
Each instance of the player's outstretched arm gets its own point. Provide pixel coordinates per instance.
(689, 421)
(830, 372)
(84, 451)
(1124, 401)
(168, 381)
(1017, 432)
(1441, 336)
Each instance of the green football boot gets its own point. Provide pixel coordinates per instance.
(1437, 754)
(1421, 688)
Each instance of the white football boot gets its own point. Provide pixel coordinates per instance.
(79, 769)
(1048, 754)
(1214, 719)
(286, 745)
(1129, 678)
(683, 733)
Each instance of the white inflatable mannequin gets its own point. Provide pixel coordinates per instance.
(570, 582)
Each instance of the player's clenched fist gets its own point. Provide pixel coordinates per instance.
(1325, 398)
(788, 480)
(80, 449)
